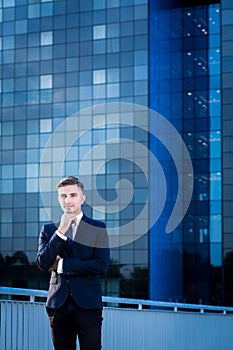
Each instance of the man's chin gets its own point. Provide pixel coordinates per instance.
(69, 211)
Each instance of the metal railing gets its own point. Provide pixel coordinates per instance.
(140, 303)
(146, 325)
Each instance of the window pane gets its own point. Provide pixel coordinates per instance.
(99, 76)
(99, 32)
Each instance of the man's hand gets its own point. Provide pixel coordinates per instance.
(53, 267)
(66, 220)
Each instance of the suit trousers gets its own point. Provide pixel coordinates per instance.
(70, 321)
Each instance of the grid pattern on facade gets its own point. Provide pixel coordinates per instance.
(185, 87)
(227, 155)
(57, 58)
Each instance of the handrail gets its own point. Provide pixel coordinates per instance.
(33, 293)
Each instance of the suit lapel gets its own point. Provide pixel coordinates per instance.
(84, 233)
(69, 233)
(80, 231)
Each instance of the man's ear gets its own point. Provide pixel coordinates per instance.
(83, 198)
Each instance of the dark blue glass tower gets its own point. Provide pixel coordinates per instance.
(185, 88)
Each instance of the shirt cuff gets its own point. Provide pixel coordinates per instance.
(61, 235)
(60, 266)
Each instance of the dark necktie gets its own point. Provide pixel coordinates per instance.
(72, 230)
(69, 233)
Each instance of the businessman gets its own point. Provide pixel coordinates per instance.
(76, 252)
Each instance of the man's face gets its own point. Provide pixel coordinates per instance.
(71, 198)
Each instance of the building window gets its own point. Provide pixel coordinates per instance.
(46, 82)
(99, 32)
(99, 76)
(46, 38)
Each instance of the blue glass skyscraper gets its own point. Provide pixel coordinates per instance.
(69, 59)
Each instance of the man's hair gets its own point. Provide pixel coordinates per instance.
(70, 180)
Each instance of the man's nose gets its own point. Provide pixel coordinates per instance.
(67, 199)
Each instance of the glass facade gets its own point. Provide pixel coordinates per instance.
(59, 58)
(227, 147)
(64, 60)
(185, 87)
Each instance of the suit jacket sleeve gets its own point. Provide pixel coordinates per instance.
(49, 246)
(96, 263)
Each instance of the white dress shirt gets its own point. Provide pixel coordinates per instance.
(74, 229)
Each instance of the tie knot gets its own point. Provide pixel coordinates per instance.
(74, 224)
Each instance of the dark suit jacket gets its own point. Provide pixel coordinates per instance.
(86, 258)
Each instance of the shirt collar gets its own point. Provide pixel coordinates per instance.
(79, 216)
